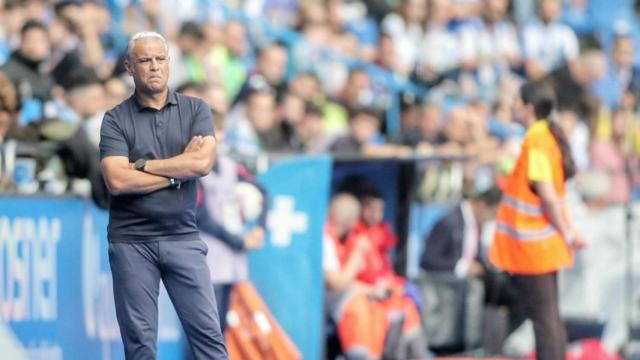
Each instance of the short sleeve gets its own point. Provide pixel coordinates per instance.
(570, 44)
(468, 36)
(202, 119)
(112, 139)
(539, 166)
(529, 42)
(330, 260)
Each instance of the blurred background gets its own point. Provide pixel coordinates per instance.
(405, 101)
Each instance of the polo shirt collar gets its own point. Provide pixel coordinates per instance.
(172, 99)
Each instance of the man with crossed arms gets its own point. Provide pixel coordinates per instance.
(153, 146)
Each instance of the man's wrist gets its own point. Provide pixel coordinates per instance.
(140, 164)
(175, 183)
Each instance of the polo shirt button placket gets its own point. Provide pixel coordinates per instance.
(158, 121)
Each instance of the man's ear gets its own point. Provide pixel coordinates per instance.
(127, 65)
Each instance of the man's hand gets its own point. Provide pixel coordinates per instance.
(476, 269)
(195, 161)
(254, 239)
(579, 242)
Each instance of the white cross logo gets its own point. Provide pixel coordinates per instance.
(283, 221)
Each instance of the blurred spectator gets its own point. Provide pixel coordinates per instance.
(24, 68)
(229, 60)
(426, 135)
(409, 112)
(454, 246)
(307, 86)
(65, 44)
(366, 327)
(457, 134)
(406, 28)
(571, 84)
(357, 93)
(280, 12)
(377, 268)
(8, 112)
(116, 91)
(86, 98)
(622, 76)
(253, 127)
(455, 258)
(364, 132)
(378, 265)
(231, 218)
(271, 67)
(350, 18)
(501, 124)
(363, 314)
(291, 113)
(490, 46)
(190, 40)
(312, 133)
(547, 43)
(577, 132)
(617, 159)
(440, 51)
(12, 18)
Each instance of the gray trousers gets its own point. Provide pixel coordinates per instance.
(137, 269)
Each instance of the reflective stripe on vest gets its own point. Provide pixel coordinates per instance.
(529, 209)
(526, 235)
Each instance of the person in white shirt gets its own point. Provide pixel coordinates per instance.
(440, 49)
(490, 46)
(406, 28)
(548, 43)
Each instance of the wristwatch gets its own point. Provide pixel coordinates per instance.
(175, 183)
(140, 164)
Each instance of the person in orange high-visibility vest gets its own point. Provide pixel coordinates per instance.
(535, 237)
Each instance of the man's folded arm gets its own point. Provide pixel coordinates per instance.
(122, 178)
(189, 164)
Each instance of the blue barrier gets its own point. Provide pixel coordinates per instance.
(55, 286)
(56, 292)
(288, 271)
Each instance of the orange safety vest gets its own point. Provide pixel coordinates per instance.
(525, 241)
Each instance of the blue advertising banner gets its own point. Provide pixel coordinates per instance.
(56, 296)
(288, 271)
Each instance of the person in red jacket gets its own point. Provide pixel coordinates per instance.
(378, 232)
(377, 272)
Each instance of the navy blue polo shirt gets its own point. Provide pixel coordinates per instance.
(135, 130)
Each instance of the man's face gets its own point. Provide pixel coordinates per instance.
(496, 9)
(261, 111)
(88, 100)
(486, 212)
(363, 127)
(549, 10)
(149, 65)
(372, 211)
(236, 39)
(273, 64)
(429, 123)
(35, 44)
(623, 52)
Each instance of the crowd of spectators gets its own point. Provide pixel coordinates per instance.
(314, 76)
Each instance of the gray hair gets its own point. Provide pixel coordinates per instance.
(144, 35)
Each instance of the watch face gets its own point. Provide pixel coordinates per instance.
(139, 164)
